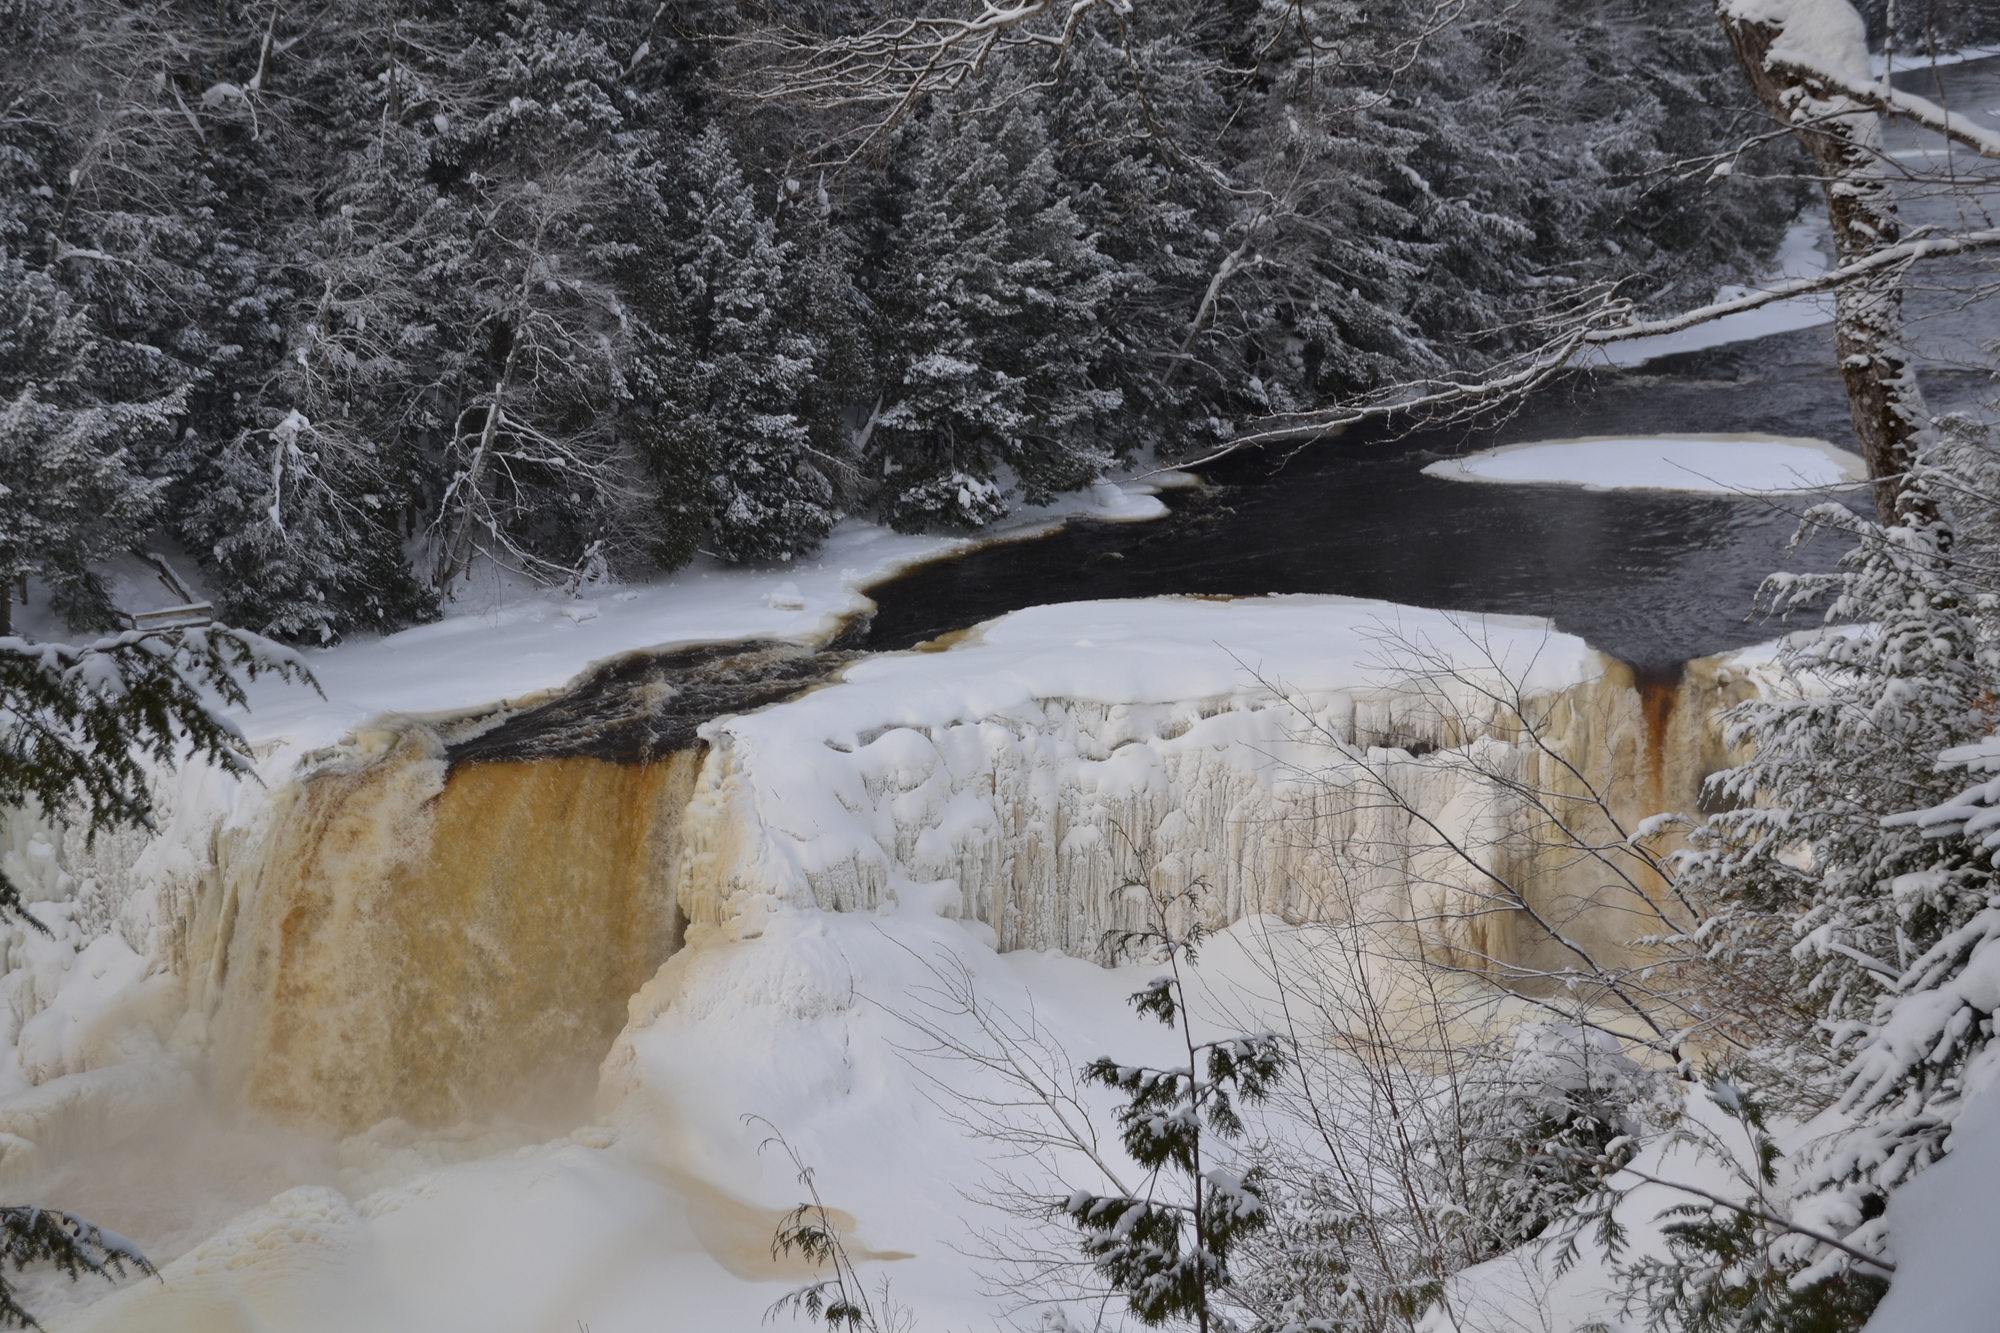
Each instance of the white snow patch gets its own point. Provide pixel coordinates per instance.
(1724, 464)
(1943, 1226)
(1906, 61)
(529, 642)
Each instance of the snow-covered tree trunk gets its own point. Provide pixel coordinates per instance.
(1778, 43)
(457, 555)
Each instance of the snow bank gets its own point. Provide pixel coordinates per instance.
(1800, 255)
(1717, 464)
(528, 643)
(1907, 61)
(1943, 1225)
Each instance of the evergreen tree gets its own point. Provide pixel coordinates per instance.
(70, 494)
(1136, 120)
(1166, 1244)
(990, 312)
(770, 497)
(1543, 1128)
(535, 473)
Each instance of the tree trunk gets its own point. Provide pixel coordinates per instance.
(457, 554)
(1882, 391)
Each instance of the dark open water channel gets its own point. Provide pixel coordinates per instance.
(1653, 578)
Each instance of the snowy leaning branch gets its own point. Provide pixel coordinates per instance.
(1887, 99)
(1893, 258)
(1607, 324)
(896, 64)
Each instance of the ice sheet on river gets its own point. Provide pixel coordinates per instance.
(1715, 464)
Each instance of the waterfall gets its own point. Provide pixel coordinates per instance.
(421, 929)
(433, 942)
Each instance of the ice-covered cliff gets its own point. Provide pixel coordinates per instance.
(1300, 756)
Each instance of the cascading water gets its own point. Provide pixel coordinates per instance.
(446, 923)
(436, 945)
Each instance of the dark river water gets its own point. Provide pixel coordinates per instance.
(1650, 577)
(1653, 578)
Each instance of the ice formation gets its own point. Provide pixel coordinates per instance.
(1027, 777)
(1720, 464)
(406, 963)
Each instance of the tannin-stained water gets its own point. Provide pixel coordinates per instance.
(434, 943)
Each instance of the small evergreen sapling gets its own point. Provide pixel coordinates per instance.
(810, 1231)
(1167, 1248)
(34, 1235)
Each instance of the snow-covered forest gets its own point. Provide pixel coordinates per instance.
(1049, 664)
(354, 295)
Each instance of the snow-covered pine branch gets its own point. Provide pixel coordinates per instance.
(73, 1244)
(81, 725)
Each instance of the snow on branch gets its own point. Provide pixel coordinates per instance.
(1576, 331)
(899, 62)
(1888, 100)
(1890, 257)
(78, 724)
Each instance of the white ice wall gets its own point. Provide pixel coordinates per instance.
(1028, 774)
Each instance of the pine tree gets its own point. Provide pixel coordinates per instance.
(70, 494)
(1543, 1128)
(535, 473)
(770, 497)
(990, 314)
(1166, 1244)
(1135, 122)
(301, 512)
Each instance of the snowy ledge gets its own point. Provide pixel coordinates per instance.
(1705, 464)
(1802, 254)
(508, 643)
